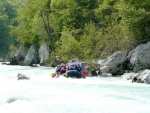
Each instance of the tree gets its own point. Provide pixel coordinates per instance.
(34, 23)
(92, 42)
(73, 14)
(7, 21)
(68, 47)
(136, 16)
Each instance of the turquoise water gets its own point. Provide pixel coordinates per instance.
(43, 94)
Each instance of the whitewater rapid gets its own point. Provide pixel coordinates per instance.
(43, 94)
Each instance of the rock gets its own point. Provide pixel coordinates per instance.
(142, 76)
(58, 59)
(35, 65)
(113, 63)
(130, 54)
(2, 60)
(140, 58)
(43, 54)
(120, 72)
(31, 57)
(5, 63)
(129, 76)
(22, 77)
(56, 62)
(15, 98)
(129, 64)
(18, 57)
(147, 81)
(106, 75)
(10, 100)
(94, 73)
(134, 78)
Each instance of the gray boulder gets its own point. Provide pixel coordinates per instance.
(113, 63)
(30, 57)
(43, 53)
(18, 57)
(142, 76)
(22, 77)
(56, 61)
(128, 76)
(140, 58)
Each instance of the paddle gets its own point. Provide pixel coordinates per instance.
(53, 75)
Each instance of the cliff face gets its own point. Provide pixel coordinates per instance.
(43, 53)
(18, 57)
(32, 56)
(29, 57)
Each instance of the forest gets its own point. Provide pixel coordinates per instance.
(83, 29)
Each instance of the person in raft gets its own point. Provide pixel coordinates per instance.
(60, 70)
(63, 69)
(74, 71)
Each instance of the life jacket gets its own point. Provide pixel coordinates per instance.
(63, 70)
(58, 69)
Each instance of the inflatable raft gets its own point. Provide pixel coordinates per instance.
(73, 73)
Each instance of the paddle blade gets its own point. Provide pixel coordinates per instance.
(84, 73)
(53, 75)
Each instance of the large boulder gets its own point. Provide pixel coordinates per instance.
(31, 57)
(140, 58)
(114, 63)
(18, 57)
(43, 53)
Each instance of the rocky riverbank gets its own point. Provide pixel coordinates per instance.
(134, 65)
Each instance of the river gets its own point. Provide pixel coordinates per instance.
(43, 94)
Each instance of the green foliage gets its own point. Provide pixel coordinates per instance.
(135, 16)
(92, 41)
(73, 13)
(34, 23)
(84, 29)
(92, 65)
(4, 39)
(68, 47)
(7, 21)
(12, 50)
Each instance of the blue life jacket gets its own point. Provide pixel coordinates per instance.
(58, 69)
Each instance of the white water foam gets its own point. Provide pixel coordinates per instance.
(43, 94)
